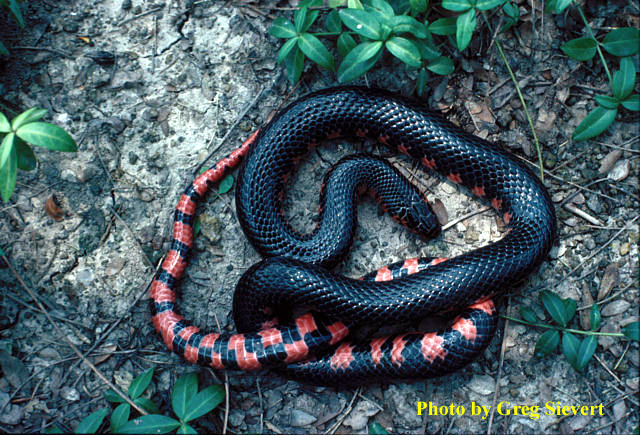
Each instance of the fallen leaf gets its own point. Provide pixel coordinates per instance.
(608, 281)
(53, 208)
(14, 370)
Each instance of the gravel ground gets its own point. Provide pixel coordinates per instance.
(188, 73)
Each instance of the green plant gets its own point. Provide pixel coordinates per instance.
(562, 311)
(373, 27)
(622, 43)
(15, 153)
(14, 9)
(187, 404)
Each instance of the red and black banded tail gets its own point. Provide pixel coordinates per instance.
(412, 355)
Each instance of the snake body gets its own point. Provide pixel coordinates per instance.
(295, 271)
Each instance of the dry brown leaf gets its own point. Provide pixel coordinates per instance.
(53, 208)
(587, 299)
(106, 350)
(609, 160)
(441, 211)
(608, 281)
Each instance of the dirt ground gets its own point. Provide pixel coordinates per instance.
(188, 73)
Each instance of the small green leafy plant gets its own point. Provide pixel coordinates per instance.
(186, 401)
(562, 311)
(15, 152)
(14, 9)
(621, 43)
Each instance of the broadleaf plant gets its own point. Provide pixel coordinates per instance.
(187, 403)
(578, 352)
(15, 152)
(622, 43)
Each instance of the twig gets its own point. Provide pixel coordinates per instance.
(70, 343)
(51, 50)
(584, 215)
(135, 17)
(117, 322)
(338, 422)
(135, 240)
(502, 350)
(228, 133)
(520, 96)
(465, 217)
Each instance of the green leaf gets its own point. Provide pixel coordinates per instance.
(26, 158)
(382, 6)
(7, 146)
(556, 6)
(361, 22)
(580, 48)
(8, 167)
(14, 7)
(405, 23)
(555, 307)
(316, 51)
(183, 391)
(204, 402)
(585, 352)
(595, 318)
(151, 423)
(405, 50)
(607, 101)
(310, 3)
(113, 397)
(336, 3)
(548, 342)
(366, 51)
(485, 5)
(570, 307)
(421, 83)
(457, 5)
(442, 65)
(632, 102)
(294, 63)
(283, 28)
(119, 417)
(47, 135)
(624, 80)
(349, 70)
(465, 25)
(333, 22)
(443, 26)
(147, 404)
(570, 348)
(286, 48)
(597, 121)
(2, 253)
(428, 50)
(346, 43)
(418, 7)
(377, 429)
(528, 314)
(186, 429)
(512, 13)
(3, 50)
(53, 429)
(622, 42)
(92, 422)
(632, 331)
(304, 18)
(140, 383)
(354, 4)
(33, 114)
(5, 126)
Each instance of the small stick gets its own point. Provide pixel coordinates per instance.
(584, 215)
(70, 343)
